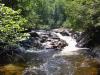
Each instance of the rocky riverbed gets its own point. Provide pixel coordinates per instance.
(54, 52)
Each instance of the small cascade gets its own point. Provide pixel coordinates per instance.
(51, 53)
(56, 60)
(71, 49)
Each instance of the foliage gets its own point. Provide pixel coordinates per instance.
(40, 13)
(82, 14)
(76, 14)
(11, 23)
(43, 13)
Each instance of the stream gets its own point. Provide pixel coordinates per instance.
(70, 60)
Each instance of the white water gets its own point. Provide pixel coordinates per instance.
(71, 49)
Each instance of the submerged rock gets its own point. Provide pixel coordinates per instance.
(33, 72)
(11, 69)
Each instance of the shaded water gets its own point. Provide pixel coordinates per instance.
(58, 65)
(69, 61)
(11, 69)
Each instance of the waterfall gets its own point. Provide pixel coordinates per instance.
(71, 49)
(49, 61)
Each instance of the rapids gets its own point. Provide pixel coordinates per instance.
(68, 61)
(50, 61)
(71, 49)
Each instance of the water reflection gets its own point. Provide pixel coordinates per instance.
(58, 65)
(11, 69)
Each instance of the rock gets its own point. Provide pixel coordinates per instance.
(11, 54)
(54, 44)
(89, 38)
(28, 43)
(54, 36)
(64, 32)
(58, 44)
(31, 42)
(47, 45)
(44, 38)
(76, 34)
(62, 44)
(34, 34)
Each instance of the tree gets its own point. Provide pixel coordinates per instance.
(40, 13)
(43, 13)
(11, 23)
(82, 14)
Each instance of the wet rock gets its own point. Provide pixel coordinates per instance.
(64, 32)
(44, 38)
(59, 44)
(31, 42)
(95, 52)
(34, 34)
(89, 38)
(55, 44)
(76, 35)
(54, 36)
(12, 54)
(26, 43)
(47, 45)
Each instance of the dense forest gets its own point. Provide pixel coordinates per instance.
(17, 16)
(49, 37)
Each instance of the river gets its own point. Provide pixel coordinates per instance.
(71, 60)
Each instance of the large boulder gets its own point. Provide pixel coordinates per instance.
(89, 38)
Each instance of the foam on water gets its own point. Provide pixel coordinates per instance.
(71, 49)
